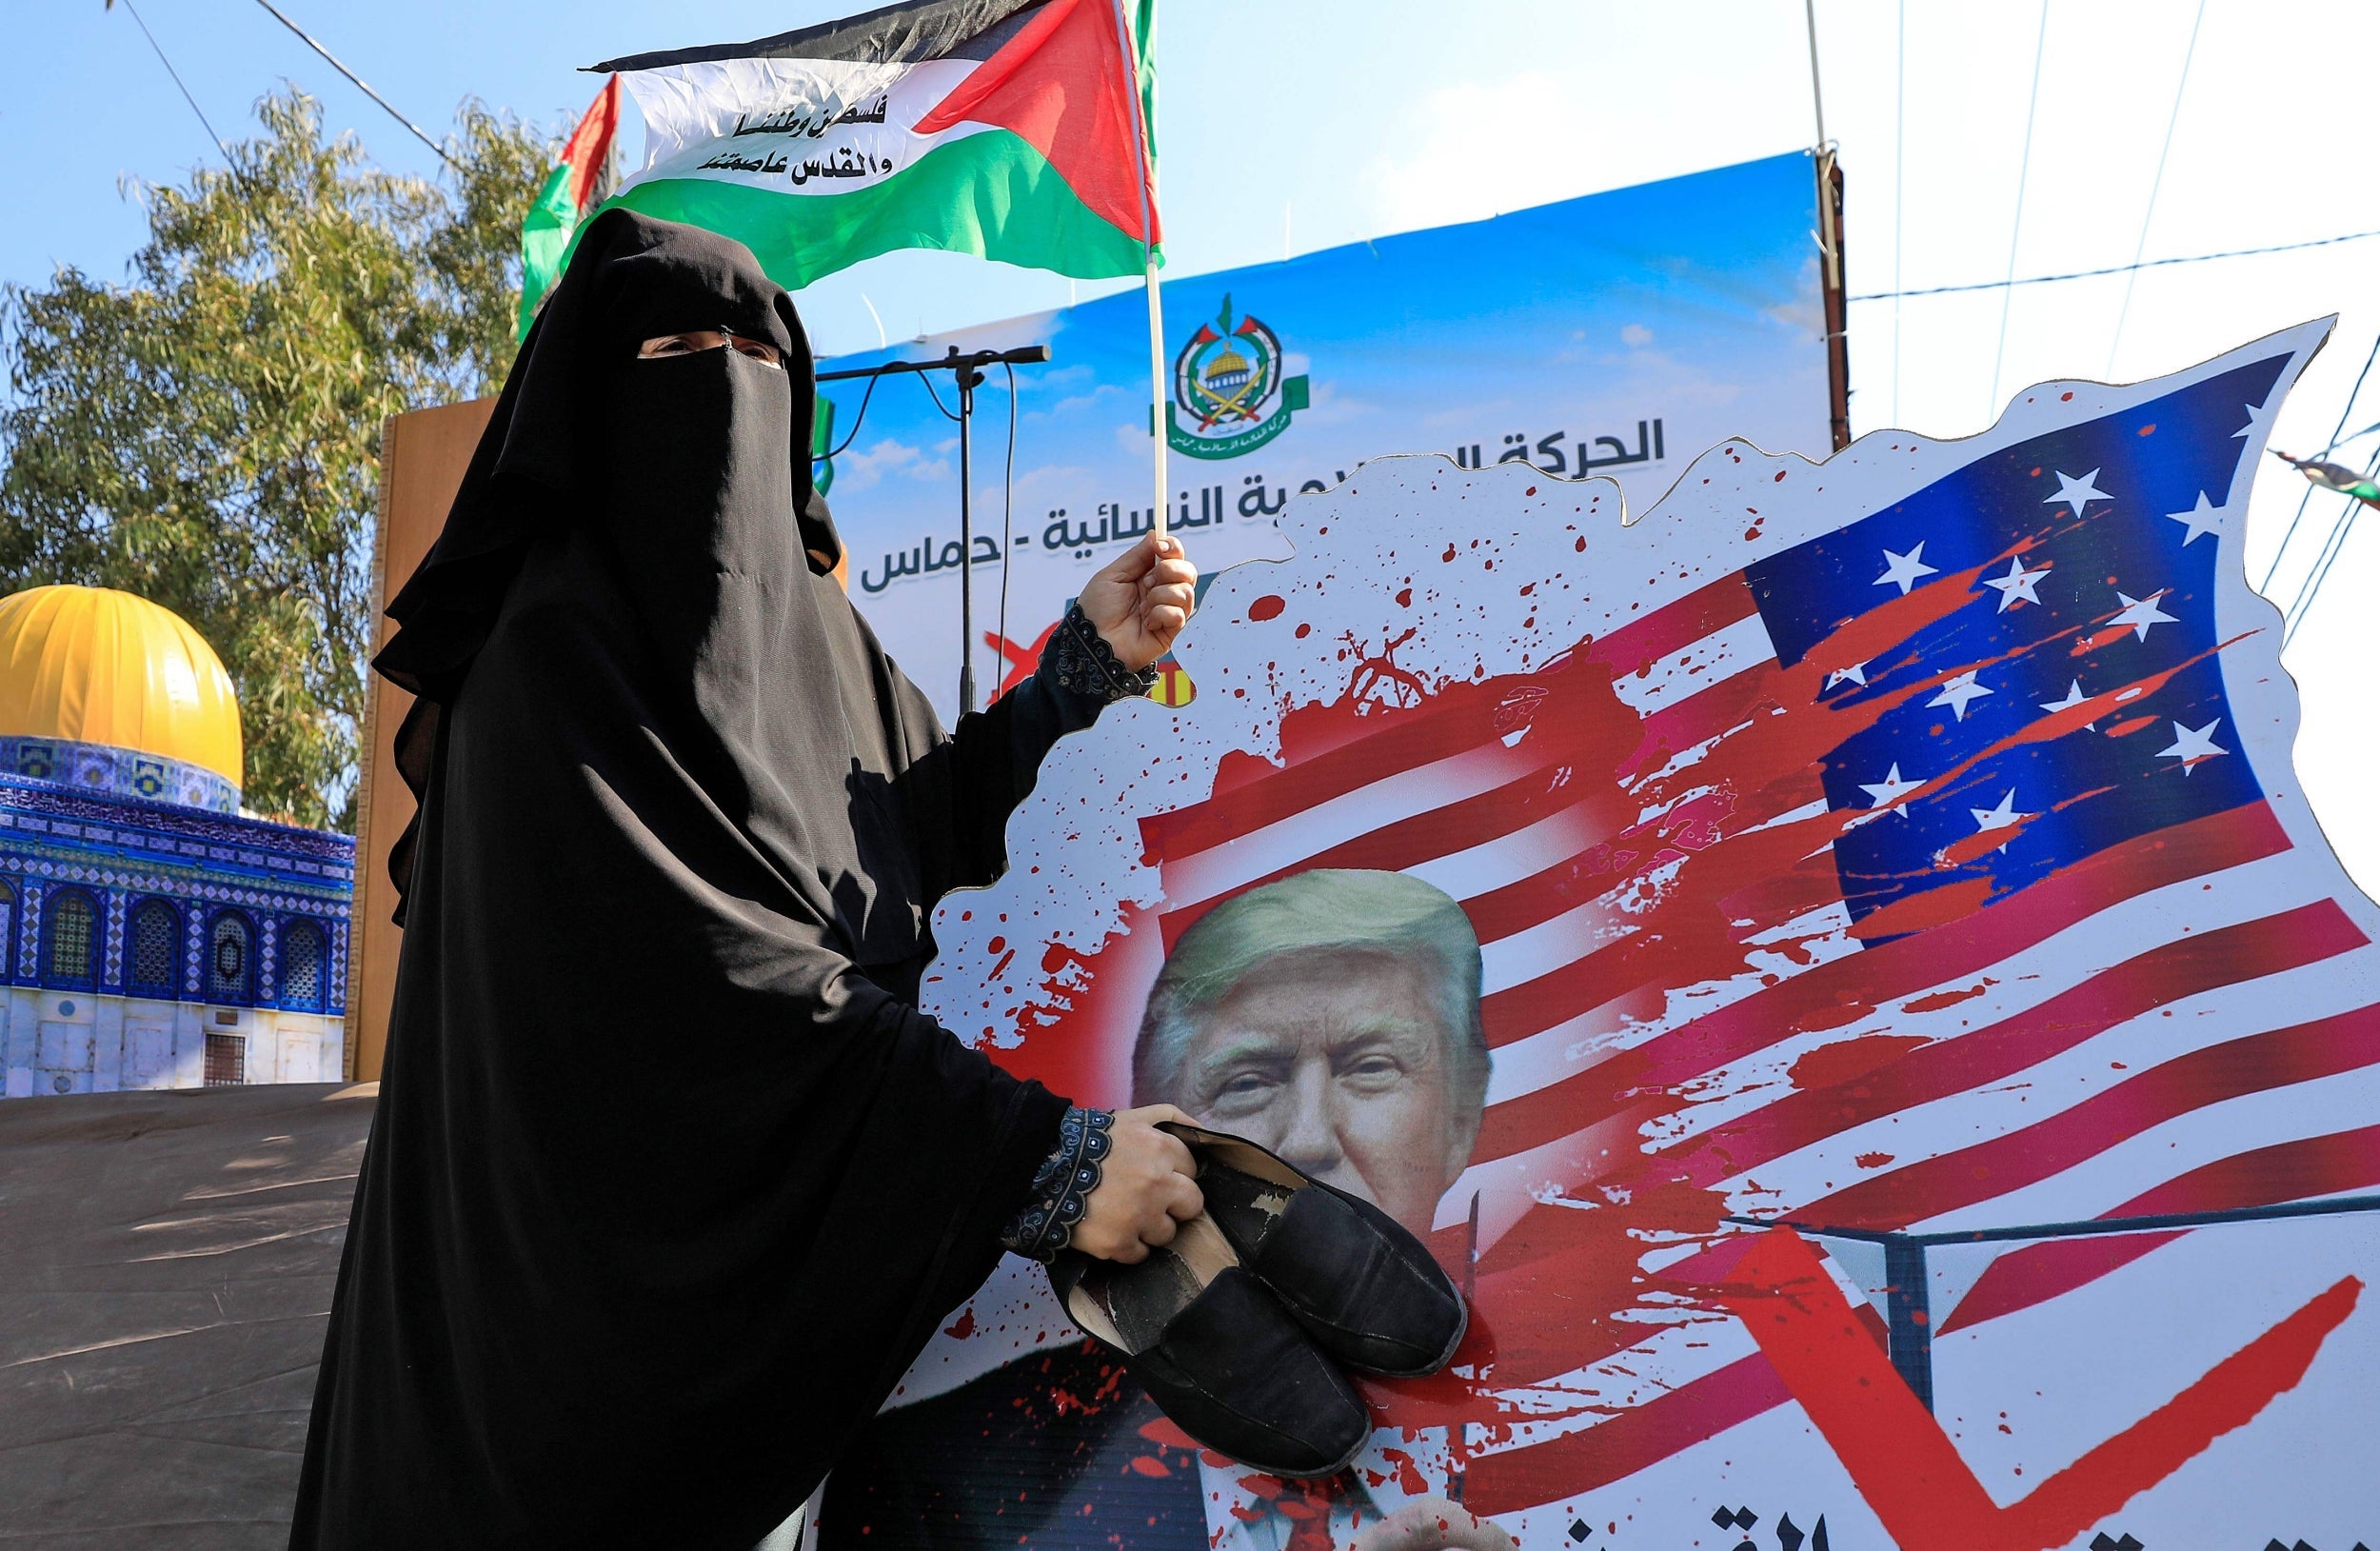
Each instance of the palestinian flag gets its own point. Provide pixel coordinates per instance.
(571, 191)
(1006, 129)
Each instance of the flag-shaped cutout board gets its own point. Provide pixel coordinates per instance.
(1006, 129)
(1837, 966)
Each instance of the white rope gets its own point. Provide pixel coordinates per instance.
(1900, 141)
(2024, 166)
(2154, 184)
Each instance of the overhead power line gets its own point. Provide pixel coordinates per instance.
(2332, 548)
(436, 150)
(2118, 268)
(2345, 409)
(159, 53)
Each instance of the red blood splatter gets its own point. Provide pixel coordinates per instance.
(1305, 630)
(1449, 556)
(963, 1326)
(1984, 842)
(1147, 1466)
(1409, 1478)
(1872, 1160)
(1944, 999)
(2130, 726)
(1531, 491)
(1268, 606)
(2150, 429)
(1405, 597)
(996, 945)
(1780, 474)
(1846, 1061)
(2067, 394)
(1915, 912)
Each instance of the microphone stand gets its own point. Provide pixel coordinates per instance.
(969, 370)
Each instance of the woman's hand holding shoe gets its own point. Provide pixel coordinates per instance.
(1146, 1188)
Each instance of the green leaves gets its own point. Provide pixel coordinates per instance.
(207, 433)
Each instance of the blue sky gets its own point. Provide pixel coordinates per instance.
(1294, 125)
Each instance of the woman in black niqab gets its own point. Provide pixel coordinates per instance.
(669, 1180)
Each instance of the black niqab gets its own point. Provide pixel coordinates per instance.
(669, 1182)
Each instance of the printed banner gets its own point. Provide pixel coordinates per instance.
(1839, 969)
(1608, 335)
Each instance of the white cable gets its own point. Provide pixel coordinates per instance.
(2154, 184)
(2024, 165)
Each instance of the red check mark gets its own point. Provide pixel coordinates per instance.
(1906, 1466)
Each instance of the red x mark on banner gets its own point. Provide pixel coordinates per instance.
(1905, 1465)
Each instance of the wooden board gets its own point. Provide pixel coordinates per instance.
(422, 459)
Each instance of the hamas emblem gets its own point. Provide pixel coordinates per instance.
(1229, 394)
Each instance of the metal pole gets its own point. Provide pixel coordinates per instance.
(968, 377)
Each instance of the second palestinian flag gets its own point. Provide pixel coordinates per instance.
(578, 182)
(1007, 128)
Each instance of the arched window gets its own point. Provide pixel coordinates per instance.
(155, 966)
(231, 958)
(70, 945)
(302, 967)
(7, 931)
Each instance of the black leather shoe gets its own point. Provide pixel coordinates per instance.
(1371, 1293)
(1217, 1354)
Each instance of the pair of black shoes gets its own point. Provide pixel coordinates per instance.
(1241, 1327)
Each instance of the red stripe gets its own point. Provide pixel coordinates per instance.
(1675, 626)
(591, 144)
(1330, 756)
(1708, 712)
(1440, 831)
(1539, 898)
(2234, 1069)
(2300, 1170)
(1637, 1439)
(1836, 992)
(2205, 961)
(1402, 743)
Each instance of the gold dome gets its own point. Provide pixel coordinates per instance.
(1227, 363)
(95, 665)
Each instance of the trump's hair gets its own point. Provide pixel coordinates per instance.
(1336, 909)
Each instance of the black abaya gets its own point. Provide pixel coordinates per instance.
(669, 1180)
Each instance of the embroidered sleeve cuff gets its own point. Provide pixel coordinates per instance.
(1081, 662)
(1061, 1187)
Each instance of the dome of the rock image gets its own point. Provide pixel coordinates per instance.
(104, 691)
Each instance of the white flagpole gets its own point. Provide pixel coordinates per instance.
(1157, 394)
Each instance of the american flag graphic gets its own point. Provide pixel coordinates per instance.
(1941, 867)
